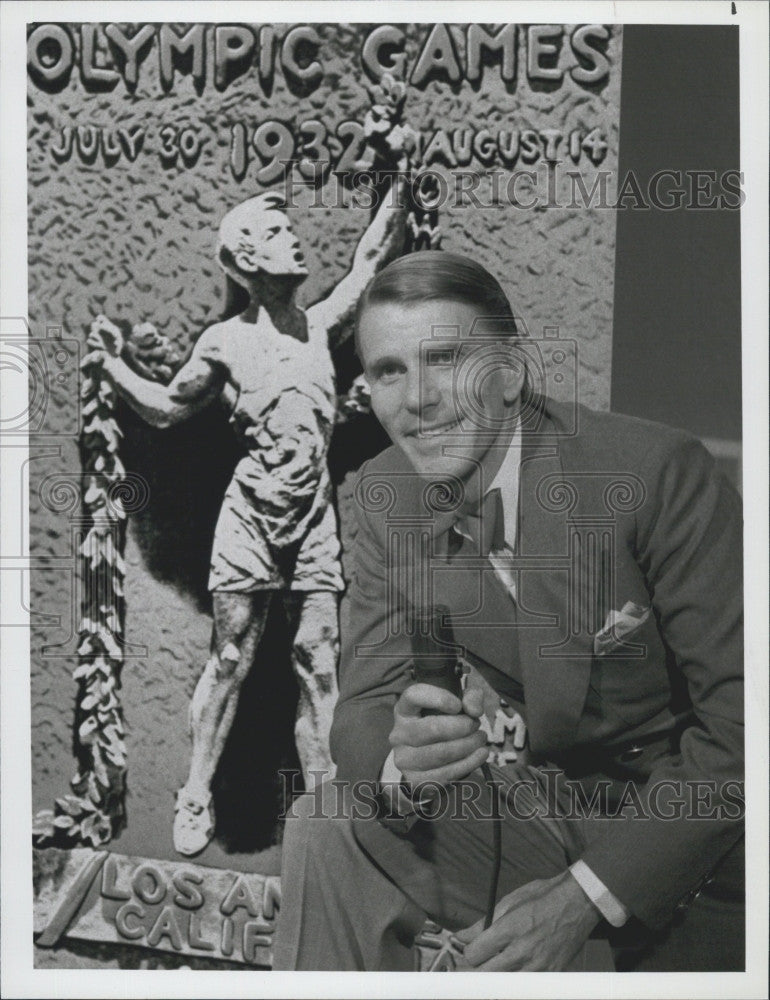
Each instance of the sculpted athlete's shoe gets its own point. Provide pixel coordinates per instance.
(193, 823)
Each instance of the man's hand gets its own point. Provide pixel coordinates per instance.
(437, 748)
(539, 927)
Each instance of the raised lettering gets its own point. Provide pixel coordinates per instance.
(233, 45)
(54, 62)
(134, 49)
(375, 61)
(174, 46)
(255, 935)
(131, 931)
(438, 58)
(226, 941)
(166, 926)
(148, 884)
(94, 77)
(439, 148)
(599, 65)
(195, 937)
(132, 140)
(240, 894)
(479, 40)
(538, 45)
(109, 889)
(310, 75)
(186, 883)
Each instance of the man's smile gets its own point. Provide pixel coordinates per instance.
(434, 431)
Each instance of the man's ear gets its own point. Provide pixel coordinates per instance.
(513, 379)
(246, 260)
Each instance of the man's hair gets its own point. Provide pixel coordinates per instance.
(430, 275)
(433, 275)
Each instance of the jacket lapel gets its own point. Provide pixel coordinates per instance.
(555, 660)
(483, 614)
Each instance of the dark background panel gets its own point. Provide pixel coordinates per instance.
(676, 353)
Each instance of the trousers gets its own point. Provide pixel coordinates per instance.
(355, 893)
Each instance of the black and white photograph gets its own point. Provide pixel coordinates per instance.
(384, 509)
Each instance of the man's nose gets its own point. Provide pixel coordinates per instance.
(420, 391)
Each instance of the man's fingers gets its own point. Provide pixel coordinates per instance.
(422, 732)
(471, 933)
(489, 943)
(450, 772)
(473, 702)
(418, 697)
(467, 934)
(514, 958)
(540, 925)
(424, 758)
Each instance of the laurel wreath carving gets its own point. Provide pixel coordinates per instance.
(93, 812)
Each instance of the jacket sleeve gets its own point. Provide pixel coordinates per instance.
(373, 661)
(689, 546)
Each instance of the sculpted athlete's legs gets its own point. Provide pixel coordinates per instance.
(239, 620)
(313, 621)
(238, 623)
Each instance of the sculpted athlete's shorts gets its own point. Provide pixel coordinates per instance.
(244, 560)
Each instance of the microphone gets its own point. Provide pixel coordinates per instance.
(435, 658)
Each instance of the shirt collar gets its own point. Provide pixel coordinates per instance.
(507, 481)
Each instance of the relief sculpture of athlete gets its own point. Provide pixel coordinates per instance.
(277, 528)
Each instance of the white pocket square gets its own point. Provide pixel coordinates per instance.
(618, 625)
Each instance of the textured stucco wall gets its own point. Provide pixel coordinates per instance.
(135, 241)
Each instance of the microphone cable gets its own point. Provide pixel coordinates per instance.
(497, 845)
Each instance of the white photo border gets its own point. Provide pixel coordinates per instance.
(19, 977)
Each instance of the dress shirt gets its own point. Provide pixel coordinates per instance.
(507, 482)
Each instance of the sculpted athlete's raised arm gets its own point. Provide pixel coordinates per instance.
(380, 243)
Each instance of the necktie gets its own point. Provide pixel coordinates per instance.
(487, 530)
(487, 526)
(505, 728)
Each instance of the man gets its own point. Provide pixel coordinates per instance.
(593, 579)
(276, 531)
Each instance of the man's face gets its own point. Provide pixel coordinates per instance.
(443, 396)
(273, 248)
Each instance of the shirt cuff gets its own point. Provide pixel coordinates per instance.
(390, 773)
(608, 905)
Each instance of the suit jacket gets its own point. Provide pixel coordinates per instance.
(612, 509)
